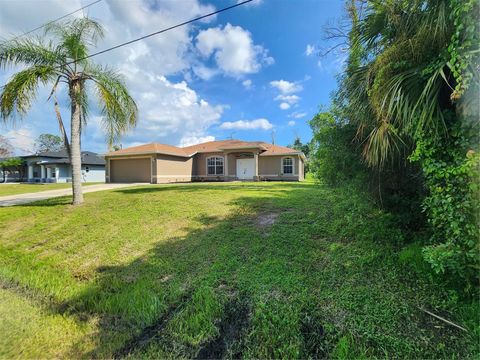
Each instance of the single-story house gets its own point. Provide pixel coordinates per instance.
(54, 166)
(211, 161)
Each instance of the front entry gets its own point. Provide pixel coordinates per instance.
(245, 169)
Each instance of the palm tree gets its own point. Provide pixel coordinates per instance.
(63, 60)
(408, 75)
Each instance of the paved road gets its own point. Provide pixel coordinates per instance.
(19, 199)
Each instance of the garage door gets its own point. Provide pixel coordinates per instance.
(130, 170)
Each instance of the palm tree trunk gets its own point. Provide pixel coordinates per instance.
(75, 149)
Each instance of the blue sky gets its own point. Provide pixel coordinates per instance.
(244, 74)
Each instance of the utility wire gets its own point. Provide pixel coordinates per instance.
(52, 21)
(158, 32)
(152, 34)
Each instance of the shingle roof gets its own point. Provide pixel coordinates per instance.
(220, 145)
(61, 157)
(210, 146)
(152, 148)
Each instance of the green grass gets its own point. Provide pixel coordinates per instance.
(196, 270)
(20, 188)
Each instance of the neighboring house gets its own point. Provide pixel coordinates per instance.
(54, 166)
(211, 161)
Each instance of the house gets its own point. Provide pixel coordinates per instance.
(211, 161)
(54, 166)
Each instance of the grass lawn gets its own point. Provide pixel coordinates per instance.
(14, 189)
(254, 270)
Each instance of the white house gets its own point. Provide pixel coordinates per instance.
(54, 166)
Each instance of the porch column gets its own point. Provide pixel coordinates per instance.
(30, 172)
(225, 165)
(49, 172)
(42, 172)
(255, 156)
(299, 167)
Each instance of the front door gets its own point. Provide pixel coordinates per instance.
(245, 169)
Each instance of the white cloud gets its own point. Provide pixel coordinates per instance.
(286, 87)
(21, 139)
(169, 111)
(194, 140)
(320, 65)
(247, 84)
(232, 49)
(297, 115)
(261, 124)
(284, 106)
(290, 99)
(291, 123)
(309, 50)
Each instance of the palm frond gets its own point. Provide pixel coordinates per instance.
(30, 52)
(76, 36)
(21, 90)
(118, 107)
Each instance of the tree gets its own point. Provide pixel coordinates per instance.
(411, 90)
(6, 147)
(48, 142)
(62, 60)
(298, 145)
(11, 165)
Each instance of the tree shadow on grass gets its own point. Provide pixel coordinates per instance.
(137, 301)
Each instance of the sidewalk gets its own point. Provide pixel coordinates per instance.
(19, 199)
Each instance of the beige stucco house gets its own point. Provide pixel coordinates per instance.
(211, 161)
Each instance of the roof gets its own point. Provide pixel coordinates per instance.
(61, 157)
(210, 146)
(52, 154)
(152, 148)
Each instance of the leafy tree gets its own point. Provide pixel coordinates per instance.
(11, 165)
(62, 60)
(298, 145)
(410, 89)
(48, 142)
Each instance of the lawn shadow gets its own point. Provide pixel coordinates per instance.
(135, 302)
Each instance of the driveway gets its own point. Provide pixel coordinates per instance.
(19, 199)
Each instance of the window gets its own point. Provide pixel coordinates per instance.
(287, 165)
(215, 166)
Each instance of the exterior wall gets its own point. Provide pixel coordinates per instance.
(270, 168)
(169, 168)
(173, 169)
(200, 168)
(63, 173)
(95, 173)
(301, 169)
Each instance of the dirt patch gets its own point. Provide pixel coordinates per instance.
(232, 327)
(267, 219)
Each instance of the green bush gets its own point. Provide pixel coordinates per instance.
(450, 169)
(334, 158)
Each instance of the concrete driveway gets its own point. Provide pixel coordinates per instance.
(19, 199)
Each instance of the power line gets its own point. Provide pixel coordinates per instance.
(158, 32)
(155, 33)
(52, 21)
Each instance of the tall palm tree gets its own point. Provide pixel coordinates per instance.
(63, 60)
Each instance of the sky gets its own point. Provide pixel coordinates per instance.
(252, 73)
